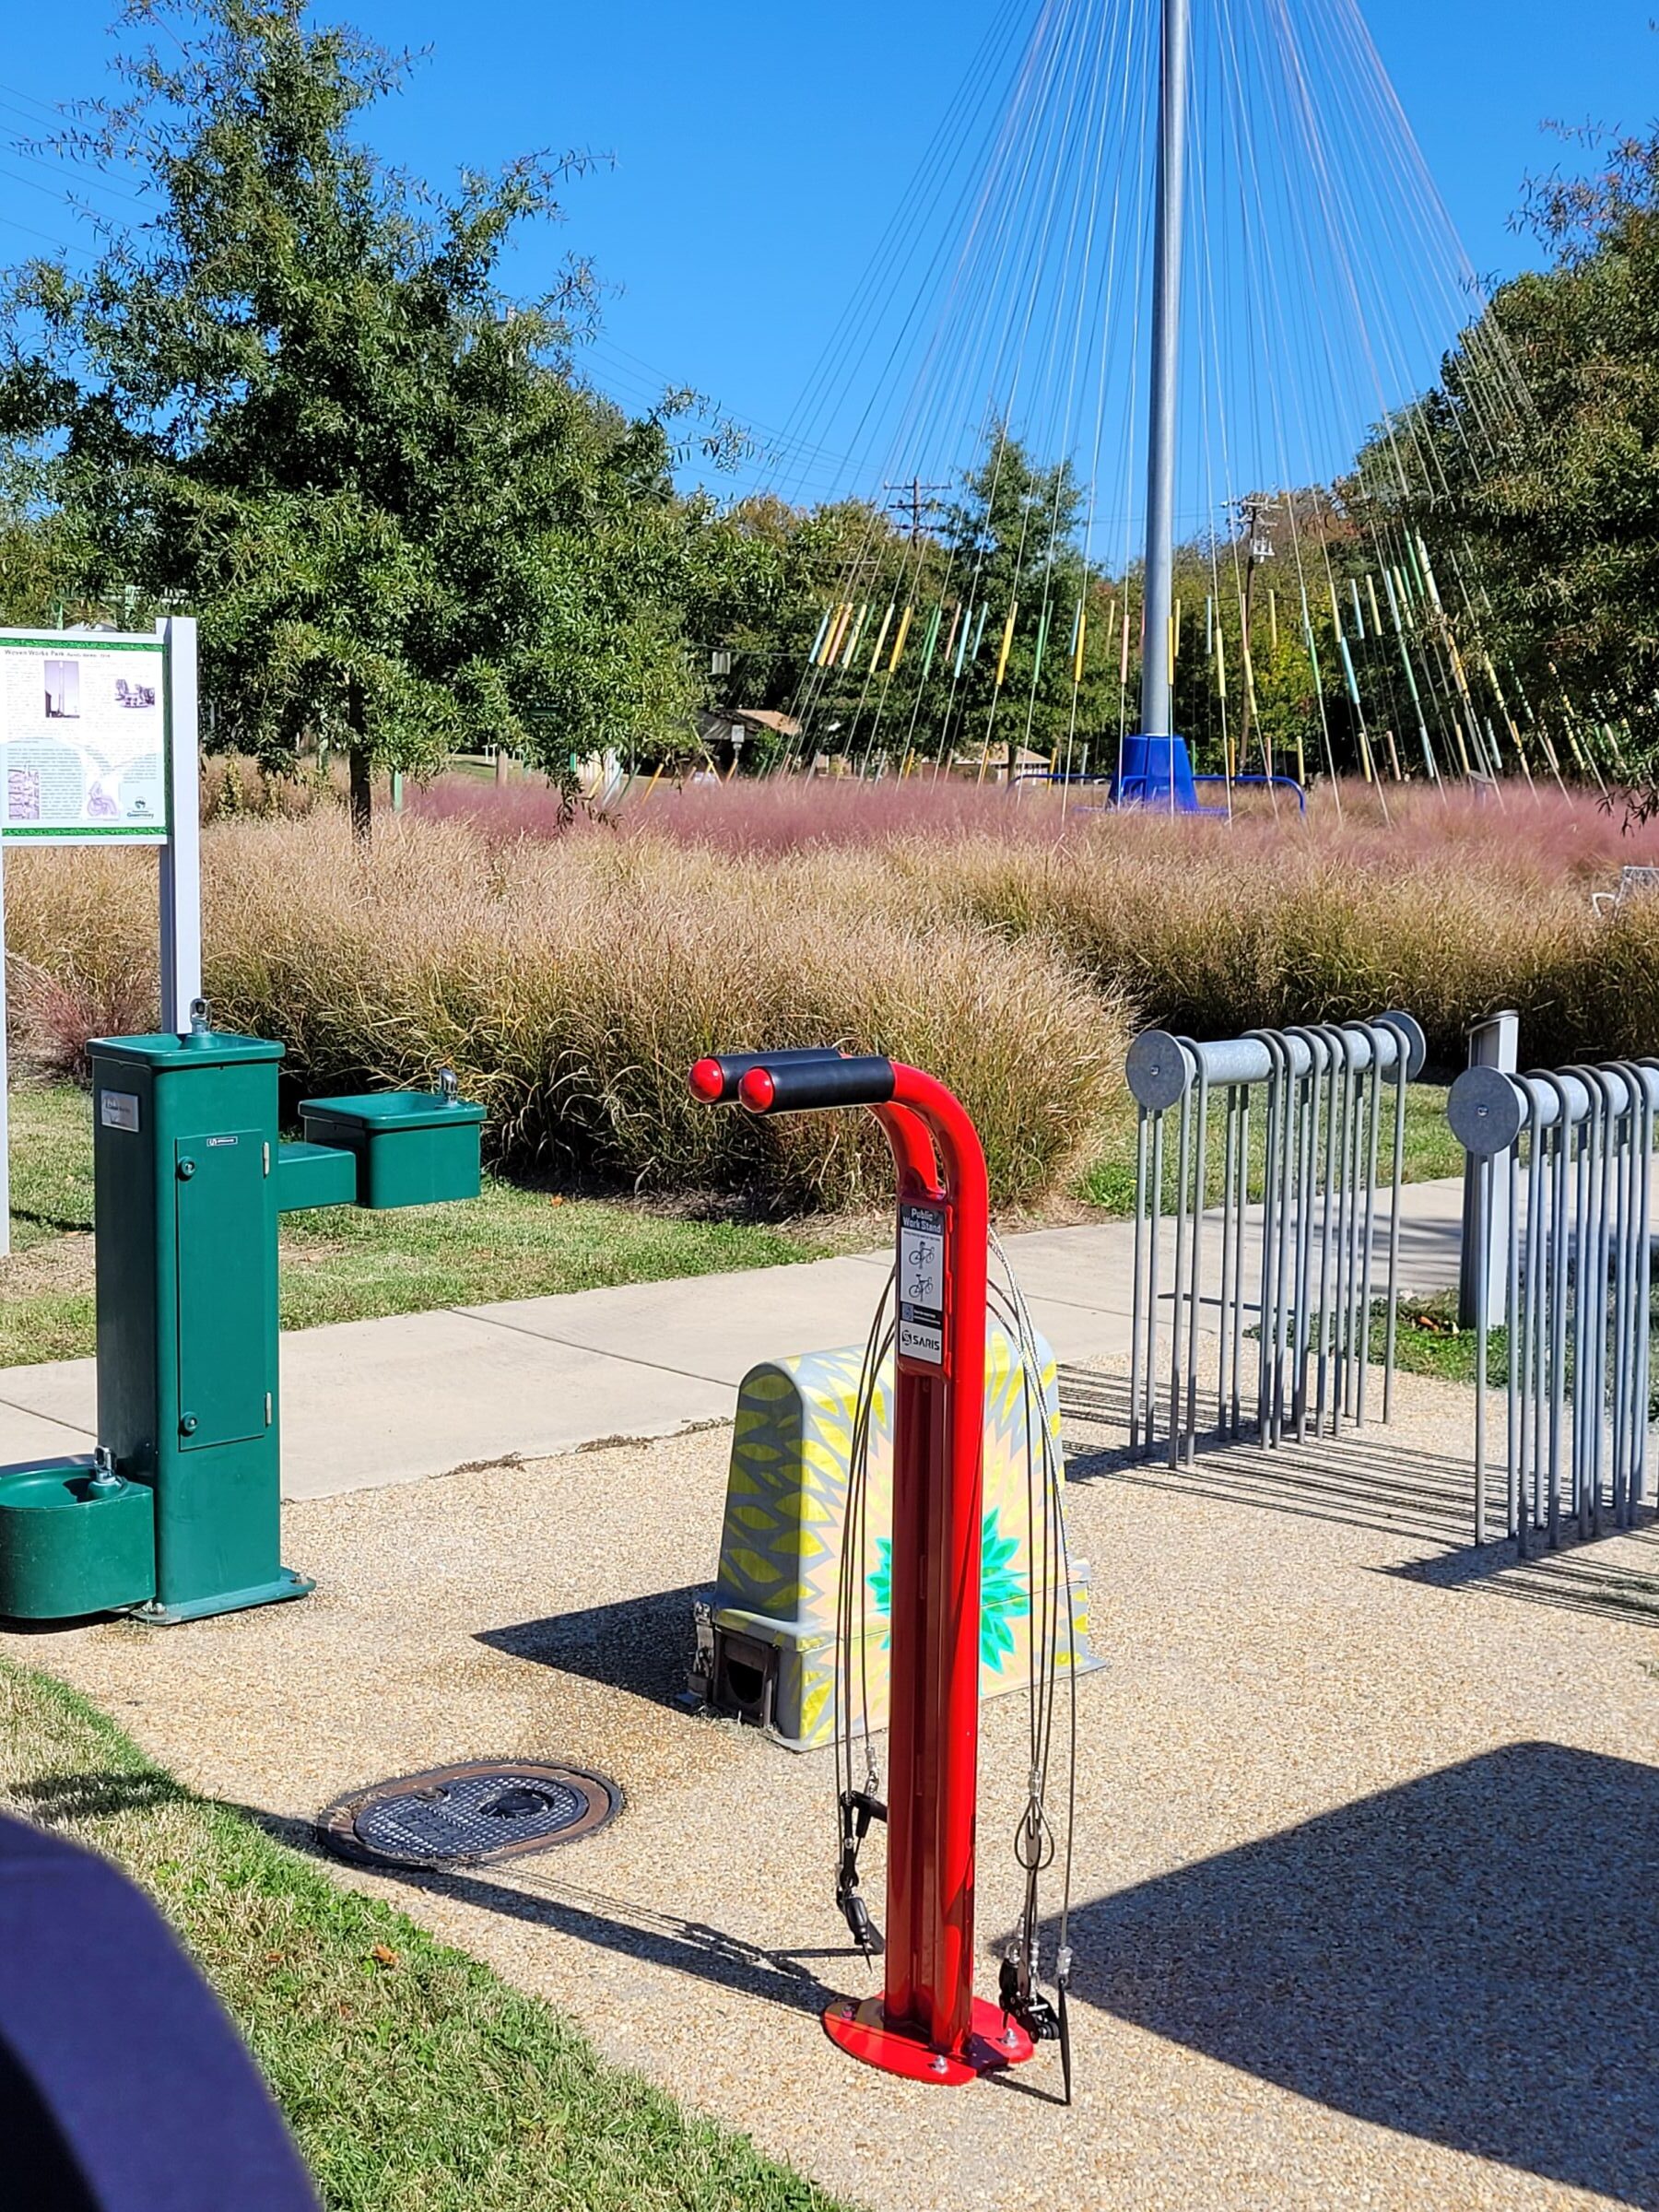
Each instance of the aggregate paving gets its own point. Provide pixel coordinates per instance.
(1367, 1824)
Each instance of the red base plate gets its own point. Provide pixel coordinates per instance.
(861, 2029)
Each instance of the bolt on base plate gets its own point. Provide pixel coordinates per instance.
(993, 2043)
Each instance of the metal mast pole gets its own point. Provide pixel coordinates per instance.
(1156, 718)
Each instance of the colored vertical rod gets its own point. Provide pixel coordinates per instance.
(931, 642)
(1008, 643)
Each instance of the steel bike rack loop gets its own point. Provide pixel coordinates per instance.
(1576, 1145)
(927, 2024)
(1302, 1113)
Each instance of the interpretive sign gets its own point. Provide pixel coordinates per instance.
(99, 745)
(84, 738)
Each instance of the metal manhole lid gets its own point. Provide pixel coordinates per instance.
(463, 1816)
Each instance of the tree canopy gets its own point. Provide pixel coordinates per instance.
(1551, 509)
(302, 401)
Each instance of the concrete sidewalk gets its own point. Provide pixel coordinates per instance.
(373, 1402)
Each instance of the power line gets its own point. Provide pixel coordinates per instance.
(49, 113)
(62, 244)
(94, 184)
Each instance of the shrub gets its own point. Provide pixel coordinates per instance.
(233, 785)
(572, 985)
(1212, 931)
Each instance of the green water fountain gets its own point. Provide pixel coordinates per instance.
(177, 1514)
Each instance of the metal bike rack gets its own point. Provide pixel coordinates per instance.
(1575, 1148)
(1320, 1116)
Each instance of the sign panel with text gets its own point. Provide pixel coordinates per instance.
(84, 738)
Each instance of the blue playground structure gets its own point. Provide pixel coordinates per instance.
(1156, 775)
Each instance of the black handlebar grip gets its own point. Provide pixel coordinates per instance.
(800, 1085)
(715, 1079)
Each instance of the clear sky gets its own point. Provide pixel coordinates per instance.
(760, 149)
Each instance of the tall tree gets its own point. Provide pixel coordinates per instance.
(1544, 506)
(300, 402)
(1012, 538)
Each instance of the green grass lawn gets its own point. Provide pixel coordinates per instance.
(414, 2079)
(339, 1264)
(1431, 1150)
(1428, 1341)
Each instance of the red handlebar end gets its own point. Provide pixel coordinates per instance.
(757, 1091)
(706, 1082)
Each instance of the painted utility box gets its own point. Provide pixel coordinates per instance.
(771, 1639)
(177, 1515)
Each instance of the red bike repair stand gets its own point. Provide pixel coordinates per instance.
(927, 2024)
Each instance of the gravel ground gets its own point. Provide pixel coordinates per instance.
(1368, 1829)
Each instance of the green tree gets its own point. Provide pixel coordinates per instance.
(1013, 539)
(1541, 503)
(301, 402)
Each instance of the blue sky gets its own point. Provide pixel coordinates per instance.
(759, 150)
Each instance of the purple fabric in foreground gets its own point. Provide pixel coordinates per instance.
(123, 2085)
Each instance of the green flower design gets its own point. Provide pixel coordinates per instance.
(1003, 1593)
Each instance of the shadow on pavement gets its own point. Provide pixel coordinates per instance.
(1362, 1478)
(643, 1644)
(1472, 1957)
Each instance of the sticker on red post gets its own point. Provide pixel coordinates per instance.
(922, 1284)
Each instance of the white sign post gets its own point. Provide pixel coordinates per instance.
(99, 745)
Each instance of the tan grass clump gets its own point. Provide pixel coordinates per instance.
(1214, 932)
(573, 982)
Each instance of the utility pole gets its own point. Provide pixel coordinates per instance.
(1257, 548)
(915, 495)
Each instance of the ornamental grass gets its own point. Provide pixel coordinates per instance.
(572, 984)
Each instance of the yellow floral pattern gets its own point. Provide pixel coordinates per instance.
(787, 1494)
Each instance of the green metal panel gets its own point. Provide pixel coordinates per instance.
(225, 1386)
(65, 1550)
(412, 1147)
(314, 1175)
(207, 1267)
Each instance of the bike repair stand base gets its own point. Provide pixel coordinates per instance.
(993, 2043)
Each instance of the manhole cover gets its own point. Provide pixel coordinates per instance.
(461, 1815)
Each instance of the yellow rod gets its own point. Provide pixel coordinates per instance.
(881, 635)
(1007, 643)
(904, 623)
(1082, 640)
